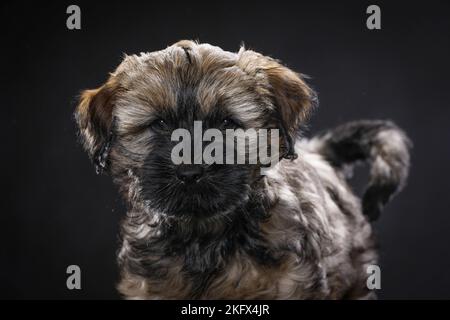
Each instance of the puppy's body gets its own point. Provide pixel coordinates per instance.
(309, 240)
(297, 233)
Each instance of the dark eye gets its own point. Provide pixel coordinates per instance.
(229, 123)
(158, 124)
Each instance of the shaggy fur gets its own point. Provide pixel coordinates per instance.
(298, 232)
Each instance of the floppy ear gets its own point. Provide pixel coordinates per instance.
(290, 94)
(95, 122)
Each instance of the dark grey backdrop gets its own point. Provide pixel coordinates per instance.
(57, 212)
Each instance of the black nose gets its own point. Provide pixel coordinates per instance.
(189, 173)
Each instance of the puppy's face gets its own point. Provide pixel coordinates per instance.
(126, 125)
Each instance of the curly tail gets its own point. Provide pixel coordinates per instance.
(380, 143)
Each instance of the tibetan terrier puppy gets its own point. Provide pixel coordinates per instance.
(224, 231)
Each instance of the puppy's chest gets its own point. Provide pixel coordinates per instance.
(259, 262)
(244, 277)
(252, 273)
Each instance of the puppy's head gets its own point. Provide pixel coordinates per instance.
(126, 124)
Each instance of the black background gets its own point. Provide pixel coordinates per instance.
(57, 212)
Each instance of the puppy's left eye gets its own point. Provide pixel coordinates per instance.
(229, 123)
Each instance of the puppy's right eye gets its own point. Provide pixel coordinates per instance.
(158, 124)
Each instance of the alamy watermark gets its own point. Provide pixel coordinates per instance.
(74, 279)
(373, 22)
(73, 21)
(374, 277)
(237, 146)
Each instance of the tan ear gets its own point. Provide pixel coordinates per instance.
(95, 121)
(290, 94)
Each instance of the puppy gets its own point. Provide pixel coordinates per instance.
(225, 231)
